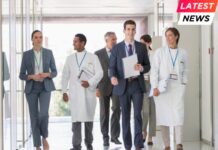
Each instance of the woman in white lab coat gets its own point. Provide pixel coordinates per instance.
(170, 67)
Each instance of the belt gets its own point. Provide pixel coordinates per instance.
(132, 79)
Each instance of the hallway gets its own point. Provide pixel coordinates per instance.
(60, 136)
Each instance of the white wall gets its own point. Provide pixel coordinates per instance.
(215, 79)
(151, 26)
(206, 95)
(190, 40)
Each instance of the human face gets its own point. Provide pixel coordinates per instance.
(171, 39)
(78, 45)
(37, 39)
(111, 41)
(129, 31)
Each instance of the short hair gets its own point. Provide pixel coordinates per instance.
(146, 38)
(108, 34)
(131, 22)
(35, 31)
(175, 32)
(82, 38)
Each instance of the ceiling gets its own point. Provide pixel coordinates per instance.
(96, 7)
(89, 8)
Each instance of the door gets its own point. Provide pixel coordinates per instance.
(206, 84)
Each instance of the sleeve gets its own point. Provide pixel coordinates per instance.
(65, 76)
(6, 74)
(53, 67)
(23, 69)
(146, 62)
(96, 53)
(113, 63)
(93, 82)
(155, 69)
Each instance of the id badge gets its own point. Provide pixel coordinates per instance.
(146, 77)
(173, 75)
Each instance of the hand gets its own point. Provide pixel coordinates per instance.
(44, 75)
(36, 77)
(97, 93)
(138, 67)
(156, 92)
(114, 81)
(85, 84)
(65, 97)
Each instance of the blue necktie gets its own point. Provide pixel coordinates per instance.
(130, 52)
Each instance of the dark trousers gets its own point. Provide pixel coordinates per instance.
(38, 101)
(77, 135)
(105, 115)
(133, 93)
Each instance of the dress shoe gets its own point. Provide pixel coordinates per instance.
(116, 141)
(89, 147)
(143, 140)
(150, 143)
(179, 147)
(106, 143)
(167, 148)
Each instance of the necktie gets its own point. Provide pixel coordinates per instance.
(130, 52)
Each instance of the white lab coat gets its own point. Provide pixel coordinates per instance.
(82, 100)
(169, 104)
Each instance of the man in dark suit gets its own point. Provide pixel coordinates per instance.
(104, 91)
(38, 69)
(131, 88)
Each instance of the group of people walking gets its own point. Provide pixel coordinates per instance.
(157, 93)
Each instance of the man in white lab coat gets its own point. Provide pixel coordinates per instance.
(170, 67)
(82, 71)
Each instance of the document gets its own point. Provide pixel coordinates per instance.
(85, 74)
(129, 64)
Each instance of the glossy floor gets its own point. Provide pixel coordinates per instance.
(60, 137)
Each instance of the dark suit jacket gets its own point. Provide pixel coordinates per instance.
(27, 68)
(104, 85)
(5, 73)
(116, 66)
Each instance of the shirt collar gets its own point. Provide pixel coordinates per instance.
(81, 52)
(127, 44)
(37, 52)
(107, 49)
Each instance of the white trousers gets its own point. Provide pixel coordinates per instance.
(165, 130)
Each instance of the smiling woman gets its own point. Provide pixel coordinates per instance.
(15, 37)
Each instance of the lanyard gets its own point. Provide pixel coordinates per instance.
(38, 64)
(79, 65)
(174, 61)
